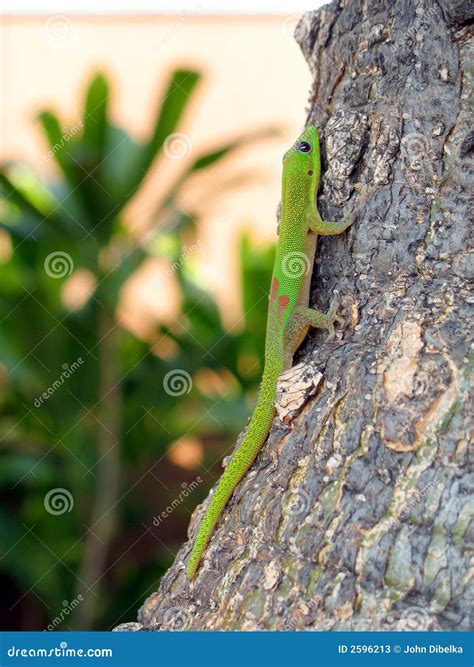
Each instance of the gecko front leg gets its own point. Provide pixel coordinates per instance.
(325, 227)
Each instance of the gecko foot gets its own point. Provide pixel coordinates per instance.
(332, 317)
(318, 319)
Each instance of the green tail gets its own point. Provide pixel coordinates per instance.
(242, 459)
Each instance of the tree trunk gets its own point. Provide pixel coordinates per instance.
(356, 514)
(101, 530)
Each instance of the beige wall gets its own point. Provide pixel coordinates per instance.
(255, 75)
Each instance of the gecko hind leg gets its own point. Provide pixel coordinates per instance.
(302, 319)
(318, 319)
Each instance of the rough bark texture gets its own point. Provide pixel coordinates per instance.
(358, 515)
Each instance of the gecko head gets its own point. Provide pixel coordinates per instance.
(305, 152)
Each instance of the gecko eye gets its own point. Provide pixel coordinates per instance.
(304, 147)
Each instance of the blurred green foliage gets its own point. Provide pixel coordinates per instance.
(102, 433)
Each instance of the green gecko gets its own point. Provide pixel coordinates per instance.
(289, 316)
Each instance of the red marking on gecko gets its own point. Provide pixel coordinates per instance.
(282, 304)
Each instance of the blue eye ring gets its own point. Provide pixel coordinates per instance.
(304, 147)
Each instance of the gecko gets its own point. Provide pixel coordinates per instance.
(289, 315)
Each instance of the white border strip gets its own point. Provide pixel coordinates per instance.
(171, 7)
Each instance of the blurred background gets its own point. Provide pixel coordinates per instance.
(140, 174)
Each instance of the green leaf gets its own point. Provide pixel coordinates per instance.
(210, 158)
(16, 466)
(95, 117)
(200, 309)
(207, 159)
(40, 209)
(57, 144)
(8, 191)
(122, 160)
(175, 100)
(38, 573)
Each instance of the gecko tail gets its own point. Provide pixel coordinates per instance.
(241, 461)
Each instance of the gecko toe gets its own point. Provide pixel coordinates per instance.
(330, 330)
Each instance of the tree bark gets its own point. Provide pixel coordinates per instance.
(357, 515)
